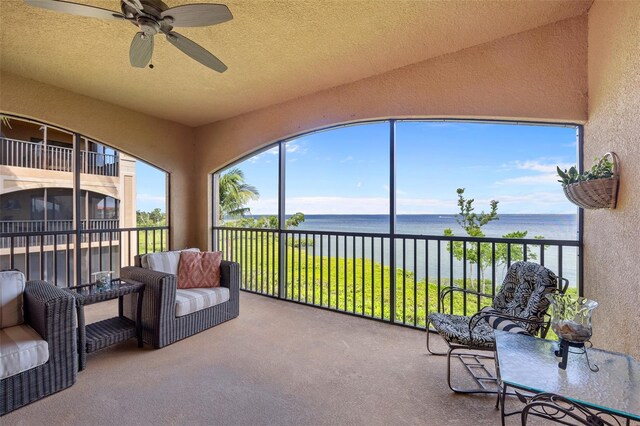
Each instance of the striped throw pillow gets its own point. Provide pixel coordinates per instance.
(11, 298)
(166, 261)
(500, 323)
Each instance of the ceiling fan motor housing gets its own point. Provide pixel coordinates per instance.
(148, 26)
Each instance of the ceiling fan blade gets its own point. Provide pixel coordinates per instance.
(135, 4)
(198, 15)
(141, 50)
(75, 9)
(196, 52)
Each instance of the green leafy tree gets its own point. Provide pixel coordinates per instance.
(472, 223)
(153, 218)
(235, 193)
(268, 222)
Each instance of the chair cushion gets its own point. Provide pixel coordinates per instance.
(199, 270)
(21, 349)
(523, 293)
(11, 298)
(499, 323)
(194, 299)
(166, 261)
(454, 329)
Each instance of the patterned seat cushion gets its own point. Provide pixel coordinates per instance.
(523, 293)
(21, 349)
(454, 329)
(11, 298)
(194, 299)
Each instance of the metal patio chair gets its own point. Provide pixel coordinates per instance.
(520, 306)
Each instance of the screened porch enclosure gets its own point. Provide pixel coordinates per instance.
(390, 263)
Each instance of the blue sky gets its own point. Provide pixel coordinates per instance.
(345, 170)
(150, 187)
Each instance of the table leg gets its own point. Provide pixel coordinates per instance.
(139, 319)
(503, 397)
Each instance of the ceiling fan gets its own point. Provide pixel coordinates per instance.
(153, 17)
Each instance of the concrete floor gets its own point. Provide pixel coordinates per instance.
(278, 363)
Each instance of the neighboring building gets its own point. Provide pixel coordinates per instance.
(36, 183)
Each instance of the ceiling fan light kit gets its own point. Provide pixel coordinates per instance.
(153, 17)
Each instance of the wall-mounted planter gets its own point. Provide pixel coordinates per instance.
(596, 193)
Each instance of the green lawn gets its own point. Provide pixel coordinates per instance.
(359, 286)
(147, 244)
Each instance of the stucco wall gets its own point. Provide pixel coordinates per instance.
(611, 243)
(539, 74)
(163, 143)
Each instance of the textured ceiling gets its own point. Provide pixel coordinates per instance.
(275, 50)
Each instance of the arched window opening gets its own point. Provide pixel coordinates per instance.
(375, 218)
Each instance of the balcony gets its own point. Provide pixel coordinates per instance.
(48, 250)
(317, 343)
(16, 233)
(17, 153)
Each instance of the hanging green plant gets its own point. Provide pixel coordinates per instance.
(597, 188)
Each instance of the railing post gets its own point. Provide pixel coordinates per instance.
(215, 212)
(77, 207)
(44, 163)
(282, 244)
(392, 223)
(580, 271)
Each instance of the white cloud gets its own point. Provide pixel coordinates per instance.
(537, 166)
(295, 147)
(359, 185)
(526, 203)
(346, 159)
(541, 179)
(545, 172)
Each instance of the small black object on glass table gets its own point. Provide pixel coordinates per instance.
(101, 334)
(530, 364)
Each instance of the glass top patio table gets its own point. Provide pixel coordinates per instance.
(529, 363)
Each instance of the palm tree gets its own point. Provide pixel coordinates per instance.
(235, 194)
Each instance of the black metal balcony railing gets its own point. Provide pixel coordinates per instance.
(68, 257)
(33, 155)
(362, 274)
(39, 228)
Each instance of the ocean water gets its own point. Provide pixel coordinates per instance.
(421, 258)
(549, 226)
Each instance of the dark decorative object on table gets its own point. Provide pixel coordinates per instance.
(597, 188)
(571, 321)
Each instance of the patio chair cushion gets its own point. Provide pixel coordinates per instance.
(11, 298)
(166, 261)
(499, 323)
(198, 270)
(454, 329)
(191, 300)
(523, 293)
(21, 349)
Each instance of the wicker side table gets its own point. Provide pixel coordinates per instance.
(99, 335)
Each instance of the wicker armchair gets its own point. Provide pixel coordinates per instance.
(51, 313)
(519, 307)
(160, 325)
